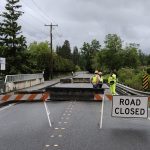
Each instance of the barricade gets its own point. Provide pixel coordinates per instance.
(32, 96)
(67, 93)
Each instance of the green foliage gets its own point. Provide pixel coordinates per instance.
(75, 56)
(40, 56)
(77, 68)
(148, 60)
(88, 51)
(131, 77)
(125, 73)
(131, 57)
(148, 70)
(143, 58)
(113, 51)
(62, 64)
(65, 50)
(13, 44)
(114, 56)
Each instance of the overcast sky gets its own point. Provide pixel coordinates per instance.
(83, 20)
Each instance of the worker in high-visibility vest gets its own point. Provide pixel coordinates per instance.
(95, 79)
(101, 80)
(112, 81)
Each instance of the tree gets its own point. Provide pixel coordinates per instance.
(65, 50)
(88, 52)
(40, 57)
(131, 57)
(13, 44)
(148, 60)
(95, 46)
(58, 50)
(113, 47)
(75, 56)
(143, 58)
(98, 61)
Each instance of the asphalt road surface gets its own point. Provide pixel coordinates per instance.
(75, 126)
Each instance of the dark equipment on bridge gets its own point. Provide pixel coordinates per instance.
(67, 93)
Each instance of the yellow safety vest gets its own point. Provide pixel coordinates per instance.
(94, 79)
(112, 79)
(101, 79)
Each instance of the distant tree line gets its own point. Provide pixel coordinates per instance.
(36, 57)
(113, 55)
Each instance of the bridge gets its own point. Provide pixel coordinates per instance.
(65, 114)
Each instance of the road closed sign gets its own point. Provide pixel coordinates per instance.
(130, 107)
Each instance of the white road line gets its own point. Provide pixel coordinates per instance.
(48, 114)
(56, 128)
(7, 107)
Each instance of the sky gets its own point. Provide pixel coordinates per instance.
(82, 21)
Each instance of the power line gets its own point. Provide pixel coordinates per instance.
(51, 45)
(39, 18)
(35, 28)
(40, 10)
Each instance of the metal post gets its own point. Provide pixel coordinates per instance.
(51, 47)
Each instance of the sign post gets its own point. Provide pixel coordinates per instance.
(130, 107)
(2, 63)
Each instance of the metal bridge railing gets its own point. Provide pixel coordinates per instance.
(131, 90)
(22, 77)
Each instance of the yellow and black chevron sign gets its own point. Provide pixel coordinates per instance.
(145, 82)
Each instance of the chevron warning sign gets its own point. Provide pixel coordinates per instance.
(145, 82)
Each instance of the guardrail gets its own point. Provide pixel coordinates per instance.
(21, 81)
(22, 77)
(131, 90)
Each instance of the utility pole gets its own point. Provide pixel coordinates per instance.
(51, 46)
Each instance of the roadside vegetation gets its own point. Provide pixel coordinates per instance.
(132, 77)
(127, 59)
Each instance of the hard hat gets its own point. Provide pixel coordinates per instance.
(96, 71)
(113, 76)
(100, 73)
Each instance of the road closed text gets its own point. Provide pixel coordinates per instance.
(124, 106)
